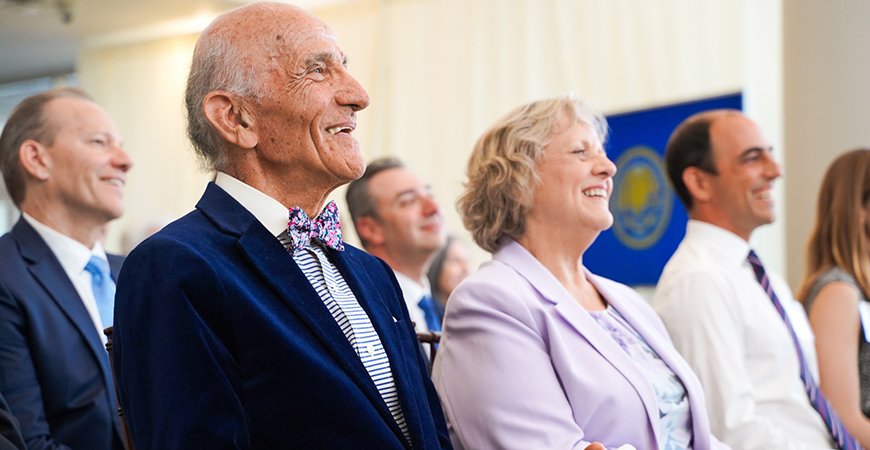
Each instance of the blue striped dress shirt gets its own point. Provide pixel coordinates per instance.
(353, 321)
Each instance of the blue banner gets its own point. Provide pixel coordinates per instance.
(648, 219)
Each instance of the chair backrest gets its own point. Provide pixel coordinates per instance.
(432, 338)
(128, 442)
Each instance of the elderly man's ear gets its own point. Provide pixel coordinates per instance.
(230, 117)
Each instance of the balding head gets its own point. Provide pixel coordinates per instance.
(232, 55)
(272, 104)
(690, 146)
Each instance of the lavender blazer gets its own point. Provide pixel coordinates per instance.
(523, 366)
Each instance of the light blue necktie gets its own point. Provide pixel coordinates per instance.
(104, 289)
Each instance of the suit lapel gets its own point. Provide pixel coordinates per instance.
(527, 266)
(269, 258)
(46, 269)
(665, 350)
(280, 271)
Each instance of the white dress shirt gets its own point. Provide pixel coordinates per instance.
(73, 257)
(727, 328)
(413, 293)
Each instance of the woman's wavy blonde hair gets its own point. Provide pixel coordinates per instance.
(839, 237)
(502, 171)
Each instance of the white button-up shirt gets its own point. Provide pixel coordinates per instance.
(73, 257)
(727, 328)
(413, 293)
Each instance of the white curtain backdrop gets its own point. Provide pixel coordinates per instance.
(439, 72)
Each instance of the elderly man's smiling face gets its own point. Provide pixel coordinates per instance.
(307, 116)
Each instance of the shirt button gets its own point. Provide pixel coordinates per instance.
(370, 349)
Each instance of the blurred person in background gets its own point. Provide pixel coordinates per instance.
(65, 168)
(398, 220)
(836, 287)
(450, 265)
(736, 323)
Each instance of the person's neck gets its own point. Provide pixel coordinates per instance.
(81, 229)
(417, 276)
(563, 257)
(296, 189)
(563, 260)
(715, 220)
(413, 268)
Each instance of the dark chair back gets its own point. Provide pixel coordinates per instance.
(432, 338)
(127, 441)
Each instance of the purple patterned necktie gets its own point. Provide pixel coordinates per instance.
(845, 441)
(326, 227)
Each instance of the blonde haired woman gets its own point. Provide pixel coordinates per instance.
(836, 287)
(537, 352)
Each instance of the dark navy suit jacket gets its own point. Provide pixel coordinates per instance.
(54, 370)
(221, 342)
(10, 430)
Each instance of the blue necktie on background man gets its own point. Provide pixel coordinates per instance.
(427, 304)
(103, 288)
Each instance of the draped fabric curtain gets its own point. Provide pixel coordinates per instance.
(439, 72)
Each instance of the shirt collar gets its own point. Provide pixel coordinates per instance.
(72, 254)
(410, 288)
(270, 212)
(719, 240)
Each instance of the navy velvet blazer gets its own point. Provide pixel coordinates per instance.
(221, 342)
(54, 370)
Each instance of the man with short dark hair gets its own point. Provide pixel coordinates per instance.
(397, 219)
(248, 323)
(735, 323)
(65, 169)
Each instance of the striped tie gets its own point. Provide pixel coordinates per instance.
(845, 441)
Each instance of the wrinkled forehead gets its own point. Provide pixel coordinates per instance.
(298, 41)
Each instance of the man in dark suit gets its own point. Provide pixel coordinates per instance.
(235, 331)
(398, 220)
(63, 166)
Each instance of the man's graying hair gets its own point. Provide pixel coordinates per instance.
(218, 64)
